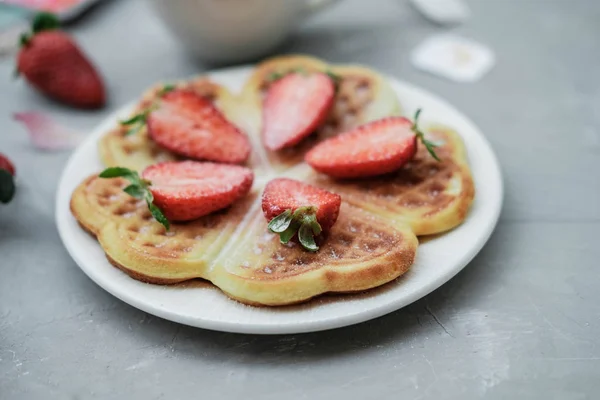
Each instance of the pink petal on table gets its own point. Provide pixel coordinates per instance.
(47, 134)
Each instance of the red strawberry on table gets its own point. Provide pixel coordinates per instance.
(53, 63)
(191, 126)
(295, 105)
(7, 181)
(185, 190)
(296, 207)
(375, 148)
(6, 164)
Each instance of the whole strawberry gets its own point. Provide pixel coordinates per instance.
(51, 62)
(7, 181)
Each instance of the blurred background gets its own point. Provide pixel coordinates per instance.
(535, 94)
(545, 57)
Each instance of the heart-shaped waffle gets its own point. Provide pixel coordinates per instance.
(431, 196)
(234, 250)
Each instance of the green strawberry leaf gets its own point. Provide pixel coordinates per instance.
(302, 221)
(288, 234)
(301, 211)
(429, 145)
(334, 77)
(7, 186)
(135, 119)
(136, 191)
(166, 89)
(139, 120)
(158, 215)
(307, 238)
(44, 21)
(311, 221)
(416, 118)
(148, 196)
(300, 71)
(134, 130)
(281, 222)
(24, 39)
(275, 76)
(118, 172)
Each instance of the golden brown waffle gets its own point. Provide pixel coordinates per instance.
(136, 243)
(234, 250)
(430, 196)
(362, 95)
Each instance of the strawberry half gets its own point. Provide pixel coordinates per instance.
(185, 190)
(189, 125)
(7, 181)
(376, 148)
(53, 63)
(296, 207)
(295, 105)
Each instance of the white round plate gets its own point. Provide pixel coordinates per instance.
(204, 306)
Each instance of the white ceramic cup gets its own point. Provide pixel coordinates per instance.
(230, 31)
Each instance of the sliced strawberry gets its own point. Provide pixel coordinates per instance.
(375, 148)
(191, 126)
(187, 190)
(6, 164)
(294, 107)
(295, 207)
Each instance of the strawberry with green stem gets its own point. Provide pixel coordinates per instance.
(189, 125)
(185, 190)
(375, 148)
(296, 208)
(51, 61)
(139, 120)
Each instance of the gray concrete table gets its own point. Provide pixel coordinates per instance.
(522, 321)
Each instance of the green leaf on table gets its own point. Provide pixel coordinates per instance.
(44, 21)
(7, 186)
